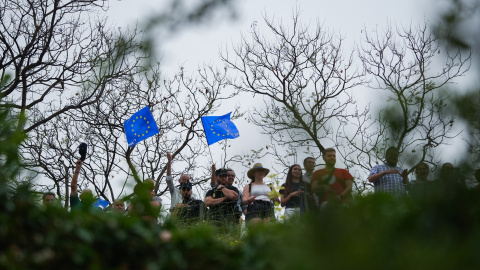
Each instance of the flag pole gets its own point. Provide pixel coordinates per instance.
(210, 151)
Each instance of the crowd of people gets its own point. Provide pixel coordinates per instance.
(224, 204)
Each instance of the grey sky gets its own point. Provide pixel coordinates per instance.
(202, 44)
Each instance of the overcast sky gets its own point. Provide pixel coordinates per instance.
(202, 44)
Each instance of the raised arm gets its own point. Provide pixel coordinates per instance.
(170, 185)
(169, 164)
(213, 180)
(375, 177)
(74, 185)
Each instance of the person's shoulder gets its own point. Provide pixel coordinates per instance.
(344, 172)
(379, 167)
(318, 173)
(210, 192)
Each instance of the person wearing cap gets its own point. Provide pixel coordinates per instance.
(222, 200)
(257, 196)
(190, 210)
(175, 195)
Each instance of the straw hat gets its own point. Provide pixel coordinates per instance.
(256, 167)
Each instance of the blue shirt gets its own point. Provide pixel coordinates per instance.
(390, 183)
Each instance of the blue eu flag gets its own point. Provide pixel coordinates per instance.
(219, 128)
(140, 127)
(101, 203)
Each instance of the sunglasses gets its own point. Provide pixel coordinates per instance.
(186, 189)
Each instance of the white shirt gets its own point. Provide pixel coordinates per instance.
(260, 192)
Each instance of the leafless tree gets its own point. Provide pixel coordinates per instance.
(304, 77)
(63, 66)
(406, 65)
(177, 105)
(53, 49)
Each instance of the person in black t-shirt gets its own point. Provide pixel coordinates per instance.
(222, 200)
(190, 210)
(294, 193)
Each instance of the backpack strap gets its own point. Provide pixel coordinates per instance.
(326, 180)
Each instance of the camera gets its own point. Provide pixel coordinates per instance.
(82, 150)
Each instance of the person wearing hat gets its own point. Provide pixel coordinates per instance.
(222, 200)
(257, 196)
(190, 210)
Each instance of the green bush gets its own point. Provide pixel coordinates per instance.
(375, 232)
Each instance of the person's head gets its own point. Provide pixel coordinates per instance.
(149, 180)
(329, 156)
(184, 178)
(257, 172)
(221, 176)
(48, 198)
(391, 156)
(447, 170)
(145, 190)
(422, 170)
(309, 164)
(151, 184)
(186, 190)
(230, 177)
(118, 206)
(86, 195)
(294, 172)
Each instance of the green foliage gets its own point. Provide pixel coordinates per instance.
(34, 237)
(10, 139)
(439, 231)
(376, 232)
